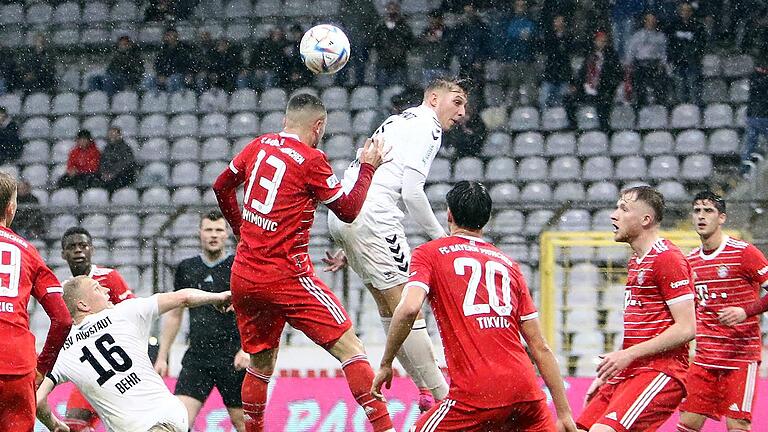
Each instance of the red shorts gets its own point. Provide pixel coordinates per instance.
(17, 402)
(305, 303)
(721, 392)
(640, 403)
(451, 415)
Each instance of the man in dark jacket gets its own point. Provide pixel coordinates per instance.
(173, 64)
(392, 39)
(358, 19)
(557, 45)
(10, 143)
(118, 163)
(470, 43)
(222, 64)
(125, 68)
(38, 67)
(686, 47)
(267, 63)
(757, 113)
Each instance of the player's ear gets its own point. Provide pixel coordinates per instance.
(450, 216)
(722, 217)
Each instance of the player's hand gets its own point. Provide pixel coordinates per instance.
(731, 315)
(224, 303)
(613, 363)
(566, 424)
(374, 152)
(334, 261)
(242, 360)
(161, 367)
(383, 376)
(592, 391)
(38, 379)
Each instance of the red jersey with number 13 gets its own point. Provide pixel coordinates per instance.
(655, 281)
(22, 273)
(731, 275)
(284, 181)
(480, 299)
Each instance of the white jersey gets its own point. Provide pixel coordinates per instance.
(415, 137)
(105, 356)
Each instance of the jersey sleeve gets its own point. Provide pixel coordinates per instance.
(239, 163)
(57, 374)
(142, 311)
(118, 288)
(321, 180)
(180, 280)
(526, 307)
(43, 280)
(755, 266)
(421, 146)
(673, 277)
(421, 270)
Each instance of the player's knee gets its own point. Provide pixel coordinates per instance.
(738, 425)
(264, 361)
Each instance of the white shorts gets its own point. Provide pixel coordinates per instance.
(378, 254)
(174, 418)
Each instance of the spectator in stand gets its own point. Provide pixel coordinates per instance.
(11, 145)
(597, 81)
(82, 163)
(173, 64)
(686, 48)
(557, 47)
(358, 19)
(517, 54)
(38, 67)
(468, 136)
(29, 221)
(757, 114)
(124, 71)
(436, 49)
(295, 74)
(392, 39)
(160, 10)
(647, 59)
(267, 63)
(118, 163)
(469, 41)
(223, 61)
(624, 13)
(9, 71)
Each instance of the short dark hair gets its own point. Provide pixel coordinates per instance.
(470, 204)
(212, 215)
(84, 133)
(303, 101)
(716, 199)
(650, 196)
(75, 230)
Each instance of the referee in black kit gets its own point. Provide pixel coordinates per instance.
(214, 357)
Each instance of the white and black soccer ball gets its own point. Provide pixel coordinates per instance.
(324, 49)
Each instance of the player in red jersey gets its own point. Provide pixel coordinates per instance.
(23, 273)
(641, 385)
(482, 305)
(273, 279)
(728, 274)
(77, 250)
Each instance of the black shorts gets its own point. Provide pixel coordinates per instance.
(198, 376)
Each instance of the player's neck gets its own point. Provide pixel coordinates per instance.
(213, 256)
(644, 242)
(80, 271)
(456, 231)
(304, 136)
(713, 241)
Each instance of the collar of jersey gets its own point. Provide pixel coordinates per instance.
(466, 237)
(430, 110)
(92, 271)
(640, 259)
(287, 135)
(717, 251)
(212, 264)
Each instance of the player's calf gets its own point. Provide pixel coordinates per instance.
(254, 394)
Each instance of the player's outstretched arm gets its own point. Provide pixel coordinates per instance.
(170, 328)
(550, 372)
(44, 414)
(682, 331)
(402, 322)
(417, 203)
(191, 297)
(61, 323)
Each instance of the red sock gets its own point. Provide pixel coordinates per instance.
(360, 378)
(254, 394)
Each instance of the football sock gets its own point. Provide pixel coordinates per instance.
(254, 394)
(77, 425)
(359, 376)
(683, 428)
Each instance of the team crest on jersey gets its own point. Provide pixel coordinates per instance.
(722, 271)
(640, 277)
(332, 181)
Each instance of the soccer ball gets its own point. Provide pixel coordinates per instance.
(324, 49)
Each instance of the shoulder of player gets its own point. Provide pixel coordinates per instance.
(188, 262)
(102, 271)
(693, 254)
(738, 244)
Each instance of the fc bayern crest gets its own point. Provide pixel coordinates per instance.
(640, 277)
(722, 271)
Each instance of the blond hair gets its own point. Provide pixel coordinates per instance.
(73, 289)
(7, 189)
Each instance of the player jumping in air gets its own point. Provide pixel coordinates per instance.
(105, 356)
(77, 250)
(482, 305)
(640, 386)
(273, 279)
(375, 243)
(728, 274)
(23, 273)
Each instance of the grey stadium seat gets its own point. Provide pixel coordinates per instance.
(95, 102)
(631, 168)
(65, 127)
(718, 116)
(714, 90)
(211, 171)
(710, 65)
(554, 119)
(524, 118)
(601, 219)
(622, 117)
(155, 149)
(440, 171)
(155, 125)
(697, 167)
(95, 12)
(36, 151)
(692, 141)
(272, 99)
(185, 149)
(60, 150)
(11, 102)
(37, 104)
(154, 174)
(506, 193)
(602, 192)
(182, 102)
(506, 222)
(243, 124)
(125, 226)
(35, 127)
(625, 143)
(38, 14)
(658, 142)
(500, 169)
(151, 224)
(560, 143)
(185, 174)
(586, 118)
(497, 144)
(685, 116)
(536, 192)
(738, 66)
(187, 195)
(124, 11)
(36, 175)
(537, 220)
(12, 13)
(238, 9)
(64, 198)
(155, 196)
(216, 148)
(97, 124)
(565, 168)
(213, 100)
(528, 144)
(125, 197)
(339, 122)
(127, 123)
(339, 147)
(363, 122)
(335, 98)
(364, 97)
(575, 220)
(239, 145)
(243, 100)
(96, 197)
(724, 141)
(65, 103)
(739, 92)
(214, 124)
(664, 167)
(569, 191)
(182, 125)
(673, 191)
(98, 226)
(436, 193)
(468, 168)
(652, 117)
(272, 122)
(154, 102)
(532, 168)
(592, 143)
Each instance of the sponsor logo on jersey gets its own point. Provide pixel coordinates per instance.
(680, 283)
(6, 307)
(722, 271)
(332, 181)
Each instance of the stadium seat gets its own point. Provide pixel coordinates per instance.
(272, 122)
(151, 224)
(673, 191)
(95, 12)
(692, 141)
(154, 174)
(155, 149)
(124, 11)
(211, 171)
(387, 94)
(35, 151)
(128, 124)
(710, 65)
(185, 174)
(724, 142)
(587, 118)
(37, 104)
(528, 144)
(65, 127)
(125, 197)
(533, 168)
(436, 193)
(507, 222)
(185, 149)
(718, 116)
(500, 169)
(35, 127)
(440, 170)
(273, 99)
(713, 91)
(239, 32)
(335, 98)
(602, 192)
(36, 175)
(70, 78)
(468, 168)
(523, 119)
(60, 150)
(569, 191)
(517, 251)
(65, 103)
(580, 320)
(98, 225)
(11, 102)
(560, 143)
(209, 198)
(592, 143)
(11, 13)
(741, 116)
(575, 220)
(216, 148)
(243, 100)
(658, 142)
(182, 125)
(339, 147)
(95, 102)
(239, 145)
(97, 124)
(554, 119)
(180, 227)
(652, 117)
(154, 102)
(631, 168)
(537, 221)
(364, 98)
(739, 92)
(338, 122)
(95, 36)
(565, 168)
(738, 66)
(363, 123)
(238, 9)
(213, 100)
(39, 14)
(185, 196)
(536, 192)
(243, 124)
(214, 124)
(587, 344)
(685, 116)
(497, 144)
(625, 143)
(153, 126)
(66, 197)
(494, 117)
(95, 197)
(697, 167)
(504, 193)
(664, 167)
(622, 117)
(182, 102)
(597, 168)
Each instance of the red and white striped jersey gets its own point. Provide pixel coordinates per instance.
(654, 282)
(731, 275)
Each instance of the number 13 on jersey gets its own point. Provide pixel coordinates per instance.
(269, 184)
